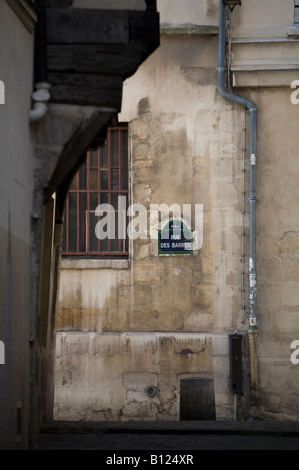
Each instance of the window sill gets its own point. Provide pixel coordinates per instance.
(189, 29)
(293, 32)
(94, 264)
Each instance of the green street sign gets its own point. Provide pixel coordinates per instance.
(175, 238)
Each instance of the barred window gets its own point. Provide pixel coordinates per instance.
(95, 221)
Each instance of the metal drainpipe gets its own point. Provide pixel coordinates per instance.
(251, 107)
(41, 96)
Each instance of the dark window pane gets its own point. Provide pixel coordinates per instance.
(93, 240)
(104, 198)
(114, 179)
(104, 158)
(104, 179)
(124, 146)
(74, 183)
(104, 245)
(124, 179)
(93, 179)
(72, 231)
(93, 201)
(122, 225)
(93, 159)
(82, 176)
(64, 247)
(114, 149)
(124, 165)
(83, 201)
(114, 243)
(114, 201)
(73, 201)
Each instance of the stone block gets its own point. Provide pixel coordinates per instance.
(198, 321)
(223, 195)
(141, 251)
(188, 344)
(135, 410)
(142, 150)
(63, 379)
(142, 344)
(110, 345)
(217, 169)
(148, 273)
(203, 295)
(141, 129)
(289, 243)
(142, 194)
(84, 319)
(143, 295)
(76, 343)
(138, 381)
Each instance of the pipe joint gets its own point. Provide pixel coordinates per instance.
(40, 97)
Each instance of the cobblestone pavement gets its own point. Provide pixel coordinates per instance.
(174, 437)
(174, 443)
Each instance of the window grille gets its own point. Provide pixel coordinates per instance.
(95, 222)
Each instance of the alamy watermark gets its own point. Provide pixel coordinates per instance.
(2, 353)
(295, 344)
(295, 353)
(137, 221)
(295, 94)
(2, 92)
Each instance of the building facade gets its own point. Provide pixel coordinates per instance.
(63, 63)
(142, 330)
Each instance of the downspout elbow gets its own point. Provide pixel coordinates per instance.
(222, 86)
(38, 112)
(222, 90)
(40, 97)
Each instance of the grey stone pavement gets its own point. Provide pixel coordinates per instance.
(174, 436)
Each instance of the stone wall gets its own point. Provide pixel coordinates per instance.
(158, 319)
(111, 376)
(16, 181)
(154, 319)
(39, 153)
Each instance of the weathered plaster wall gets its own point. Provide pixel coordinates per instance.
(105, 376)
(187, 146)
(256, 20)
(16, 186)
(277, 248)
(189, 12)
(32, 156)
(161, 318)
(51, 135)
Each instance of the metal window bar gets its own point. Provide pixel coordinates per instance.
(99, 196)
(119, 186)
(109, 187)
(81, 187)
(79, 202)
